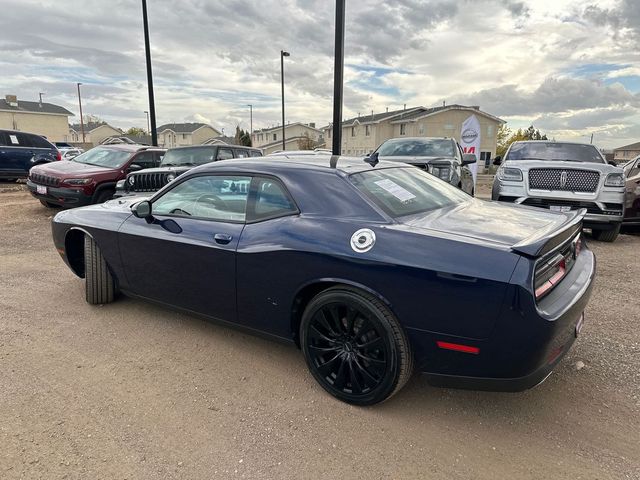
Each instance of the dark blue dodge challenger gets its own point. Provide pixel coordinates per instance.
(373, 270)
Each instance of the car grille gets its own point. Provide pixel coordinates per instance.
(41, 179)
(147, 182)
(565, 180)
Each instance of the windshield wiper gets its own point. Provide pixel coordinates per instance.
(566, 160)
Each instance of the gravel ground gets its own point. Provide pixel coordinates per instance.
(132, 390)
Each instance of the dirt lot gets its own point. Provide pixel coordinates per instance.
(132, 390)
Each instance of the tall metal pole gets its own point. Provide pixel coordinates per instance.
(250, 122)
(338, 78)
(591, 138)
(81, 120)
(152, 107)
(282, 55)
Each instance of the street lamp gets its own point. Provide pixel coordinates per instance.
(147, 48)
(81, 120)
(148, 127)
(282, 55)
(250, 121)
(338, 79)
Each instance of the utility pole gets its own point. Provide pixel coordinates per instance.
(338, 78)
(40, 98)
(81, 119)
(591, 142)
(282, 55)
(250, 122)
(152, 107)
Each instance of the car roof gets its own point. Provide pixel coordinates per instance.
(213, 145)
(554, 142)
(417, 138)
(326, 163)
(127, 147)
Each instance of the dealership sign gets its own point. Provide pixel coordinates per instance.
(470, 141)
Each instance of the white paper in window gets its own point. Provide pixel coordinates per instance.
(14, 139)
(396, 190)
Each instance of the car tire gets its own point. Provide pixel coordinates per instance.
(48, 204)
(354, 346)
(99, 284)
(104, 195)
(606, 235)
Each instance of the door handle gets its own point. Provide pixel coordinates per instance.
(222, 238)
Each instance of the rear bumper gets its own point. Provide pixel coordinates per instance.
(64, 197)
(527, 343)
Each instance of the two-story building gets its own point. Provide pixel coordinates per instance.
(626, 153)
(183, 134)
(46, 119)
(298, 136)
(363, 134)
(94, 132)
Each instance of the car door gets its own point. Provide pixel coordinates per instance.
(192, 266)
(632, 193)
(17, 153)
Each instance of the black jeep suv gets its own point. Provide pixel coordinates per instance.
(177, 161)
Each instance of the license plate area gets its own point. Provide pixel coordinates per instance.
(560, 208)
(41, 189)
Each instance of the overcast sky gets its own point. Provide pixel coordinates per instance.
(570, 67)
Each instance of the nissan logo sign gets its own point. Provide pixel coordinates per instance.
(469, 135)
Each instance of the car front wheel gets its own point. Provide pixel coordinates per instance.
(354, 346)
(99, 284)
(607, 235)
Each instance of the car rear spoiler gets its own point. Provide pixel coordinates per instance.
(547, 239)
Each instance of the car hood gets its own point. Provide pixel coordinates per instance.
(415, 160)
(526, 165)
(66, 167)
(491, 222)
(124, 203)
(161, 169)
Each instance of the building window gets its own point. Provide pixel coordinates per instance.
(489, 130)
(184, 136)
(403, 129)
(367, 130)
(275, 137)
(421, 129)
(353, 132)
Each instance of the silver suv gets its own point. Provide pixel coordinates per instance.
(563, 176)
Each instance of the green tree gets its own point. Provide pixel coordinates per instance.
(242, 137)
(506, 137)
(136, 132)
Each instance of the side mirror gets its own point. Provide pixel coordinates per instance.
(134, 167)
(142, 209)
(469, 158)
(497, 160)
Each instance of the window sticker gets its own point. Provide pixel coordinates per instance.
(14, 139)
(396, 190)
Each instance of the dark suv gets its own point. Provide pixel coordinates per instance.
(90, 177)
(441, 157)
(177, 161)
(19, 151)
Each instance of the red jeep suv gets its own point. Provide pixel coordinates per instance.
(90, 177)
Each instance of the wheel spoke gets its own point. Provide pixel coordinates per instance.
(352, 313)
(366, 375)
(371, 359)
(333, 348)
(335, 318)
(327, 322)
(355, 383)
(376, 342)
(341, 375)
(322, 335)
(326, 366)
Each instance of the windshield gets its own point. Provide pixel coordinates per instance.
(188, 157)
(406, 191)
(570, 152)
(104, 157)
(417, 147)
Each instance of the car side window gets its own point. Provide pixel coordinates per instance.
(213, 197)
(39, 142)
(145, 160)
(158, 158)
(224, 154)
(255, 153)
(271, 200)
(4, 139)
(19, 140)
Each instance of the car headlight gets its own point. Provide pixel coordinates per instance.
(171, 177)
(614, 180)
(77, 181)
(440, 171)
(510, 174)
(120, 184)
(131, 179)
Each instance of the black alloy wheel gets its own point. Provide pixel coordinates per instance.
(354, 346)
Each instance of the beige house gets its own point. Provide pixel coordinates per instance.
(46, 119)
(268, 138)
(94, 132)
(182, 134)
(363, 134)
(626, 153)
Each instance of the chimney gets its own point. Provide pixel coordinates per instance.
(387, 109)
(312, 124)
(405, 107)
(358, 114)
(371, 113)
(476, 107)
(12, 100)
(444, 104)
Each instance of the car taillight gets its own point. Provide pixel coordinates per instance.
(58, 155)
(549, 274)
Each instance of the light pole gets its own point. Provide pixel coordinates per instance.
(80, 104)
(282, 55)
(148, 127)
(338, 71)
(152, 107)
(250, 122)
